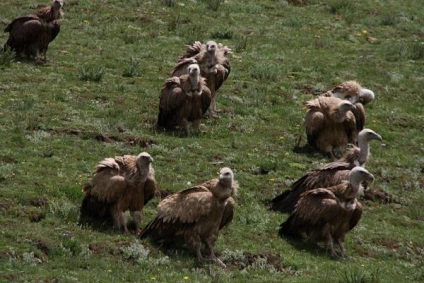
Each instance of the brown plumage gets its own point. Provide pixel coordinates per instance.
(214, 65)
(30, 35)
(328, 175)
(119, 184)
(327, 214)
(352, 91)
(184, 99)
(194, 216)
(331, 125)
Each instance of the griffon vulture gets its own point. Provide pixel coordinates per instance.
(327, 214)
(214, 65)
(331, 124)
(328, 175)
(194, 216)
(352, 91)
(29, 36)
(184, 99)
(119, 184)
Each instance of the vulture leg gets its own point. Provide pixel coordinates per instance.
(340, 243)
(136, 216)
(119, 219)
(210, 243)
(196, 126)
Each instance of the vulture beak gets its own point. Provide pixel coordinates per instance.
(370, 178)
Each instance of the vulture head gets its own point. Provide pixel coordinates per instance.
(364, 138)
(359, 174)
(343, 107)
(211, 47)
(144, 159)
(57, 4)
(193, 70)
(366, 95)
(367, 135)
(226, 179)
(354, 92)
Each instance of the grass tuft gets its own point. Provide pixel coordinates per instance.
(131, 70)
(92, 73)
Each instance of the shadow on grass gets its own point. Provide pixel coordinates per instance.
(303, 245)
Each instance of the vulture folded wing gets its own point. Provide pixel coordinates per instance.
(108, 187)
(314, 122)
(186, 207)
(182, 66)
(356, 215)
(317, 206)
(228, 213)
(350, 127)
(171, 99)
(206, 98)
(150, 189)
(360, 116)
(25, 31)
(193, 49)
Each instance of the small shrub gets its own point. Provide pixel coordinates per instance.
(240, 43)
(222, 34)
(340, 6)
(388, 20)
(135, 251)
(92, 73)
(64, 209)
(169, 3)
(7, 56)
(213, 4)
(131, 70)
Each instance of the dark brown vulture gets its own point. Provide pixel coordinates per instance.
(30, 36)
(183, 99)
(119, 184)
(327, 214)
(331, 124)
(352, 91)
(328, 175)
(194, 216)
(214, 65)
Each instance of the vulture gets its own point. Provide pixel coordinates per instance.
(194, 216)
(327, 214)
(30, 35)
(214, 65)
(331, 124)
(183, 99)
(119, 184)
(328, 175)
(352, 91)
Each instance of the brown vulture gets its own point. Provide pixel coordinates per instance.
(194, 216)
(352, 91)
(184, 99)
(214, 65)
(331, 124)
(30, 35)
(119, 184)
(328, 175)
(327, 214)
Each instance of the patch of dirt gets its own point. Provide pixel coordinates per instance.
(378, 196)
(42, 202)
(126, 139)
(251, 260)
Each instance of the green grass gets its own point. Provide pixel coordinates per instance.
(98, 97)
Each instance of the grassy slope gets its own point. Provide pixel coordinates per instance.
(282, 56)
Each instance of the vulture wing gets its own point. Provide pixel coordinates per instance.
(314, 121)
(360, 116)
(193, 49)
(314, 208)
(329, 175)
(182, 66)
(350, 127)
(23, 31)
(356, 215)
(186, 207)
(206, 98)
(171, 99)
